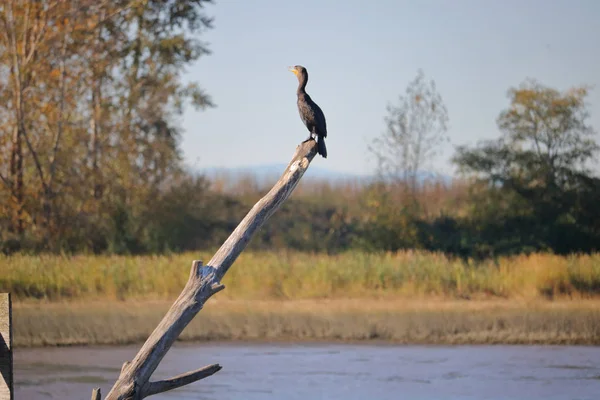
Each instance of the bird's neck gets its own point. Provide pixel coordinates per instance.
(301, 85)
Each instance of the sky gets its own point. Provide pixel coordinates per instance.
(361, 56)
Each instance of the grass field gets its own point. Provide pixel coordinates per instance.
(409, 297)
(293, 275)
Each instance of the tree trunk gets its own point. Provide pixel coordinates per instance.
(16, 179)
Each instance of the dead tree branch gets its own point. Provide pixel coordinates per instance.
(204, 281)
(182, 380)
(96, 395)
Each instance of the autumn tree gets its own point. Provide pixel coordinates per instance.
(416, 129)
(539, 170)
(91, 93)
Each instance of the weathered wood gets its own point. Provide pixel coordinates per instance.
(181, 380)
(6, 358)
(96, 395)
(204, 281)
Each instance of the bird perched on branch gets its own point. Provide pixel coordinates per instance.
(310, 112)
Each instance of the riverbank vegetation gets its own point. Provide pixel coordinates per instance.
(404, 297)
(403, 321)
(291, 275)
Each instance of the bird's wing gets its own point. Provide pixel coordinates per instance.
(319, 119)
(306, 114)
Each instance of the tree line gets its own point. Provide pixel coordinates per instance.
(90, 98)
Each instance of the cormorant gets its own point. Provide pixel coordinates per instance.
(310, 112)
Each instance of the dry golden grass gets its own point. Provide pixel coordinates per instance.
(407, 297)
(293, 275)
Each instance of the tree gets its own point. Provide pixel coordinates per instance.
(90, 95)
(540, 166)
(545, 139)
(416, 128)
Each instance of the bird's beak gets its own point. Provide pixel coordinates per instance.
(293, 69)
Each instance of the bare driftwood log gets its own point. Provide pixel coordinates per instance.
(204, 281)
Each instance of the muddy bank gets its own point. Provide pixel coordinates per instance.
(398, 321)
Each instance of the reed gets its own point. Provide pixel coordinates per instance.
(293, 275)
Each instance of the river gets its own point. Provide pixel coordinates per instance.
(326, 371)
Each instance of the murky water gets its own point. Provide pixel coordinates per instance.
(327, 371)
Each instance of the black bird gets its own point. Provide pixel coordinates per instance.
(310, 112)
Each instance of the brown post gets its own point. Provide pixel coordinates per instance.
(6, 357)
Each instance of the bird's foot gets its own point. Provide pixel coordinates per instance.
(308, 138)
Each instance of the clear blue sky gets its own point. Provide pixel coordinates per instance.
(361, 55)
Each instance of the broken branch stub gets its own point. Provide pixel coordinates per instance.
(204, 281)
(182, 380)
(96, 395)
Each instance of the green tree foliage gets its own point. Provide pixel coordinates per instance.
(540, 189)
(389, 222)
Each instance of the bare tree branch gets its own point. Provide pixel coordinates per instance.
(36, 160)
(5, 181)
(204, 281)
(61, 111)
(181, 380)
(416, 130)
(96, 395)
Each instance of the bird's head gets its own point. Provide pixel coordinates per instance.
(298, 70)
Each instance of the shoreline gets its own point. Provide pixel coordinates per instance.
(367, 321)
(309, 342)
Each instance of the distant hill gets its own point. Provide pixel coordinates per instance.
(274, 171)
(270, 172)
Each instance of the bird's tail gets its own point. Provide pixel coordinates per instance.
(321, 148)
